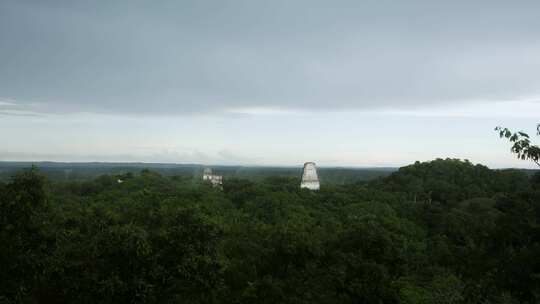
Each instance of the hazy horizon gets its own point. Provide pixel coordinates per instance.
(341, 83)
(277, 166)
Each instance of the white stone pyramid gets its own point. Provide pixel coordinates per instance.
(310, 180)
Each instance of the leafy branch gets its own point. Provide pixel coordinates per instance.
(521, 144)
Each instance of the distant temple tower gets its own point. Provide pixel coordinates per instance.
(310, 180)
(215, 180)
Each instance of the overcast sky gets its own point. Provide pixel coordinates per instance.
(341, 83)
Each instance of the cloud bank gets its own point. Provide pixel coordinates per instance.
(192, 57)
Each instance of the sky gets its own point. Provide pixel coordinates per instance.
(341, 83)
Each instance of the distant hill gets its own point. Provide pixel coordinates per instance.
(453, 180)
(60, 171)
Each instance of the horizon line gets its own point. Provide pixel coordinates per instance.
(252, 165)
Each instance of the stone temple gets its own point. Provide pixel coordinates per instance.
(215, 180)
(310, 180)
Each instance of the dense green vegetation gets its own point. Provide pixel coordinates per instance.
(445, 231)
(85, 171)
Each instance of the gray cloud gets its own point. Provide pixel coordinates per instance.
(9, 107)
(181, 57)
(163, 156)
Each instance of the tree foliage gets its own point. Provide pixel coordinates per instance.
(445, 231)
(521, 144)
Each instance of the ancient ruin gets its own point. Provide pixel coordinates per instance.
(214, 179)
(310, 180)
